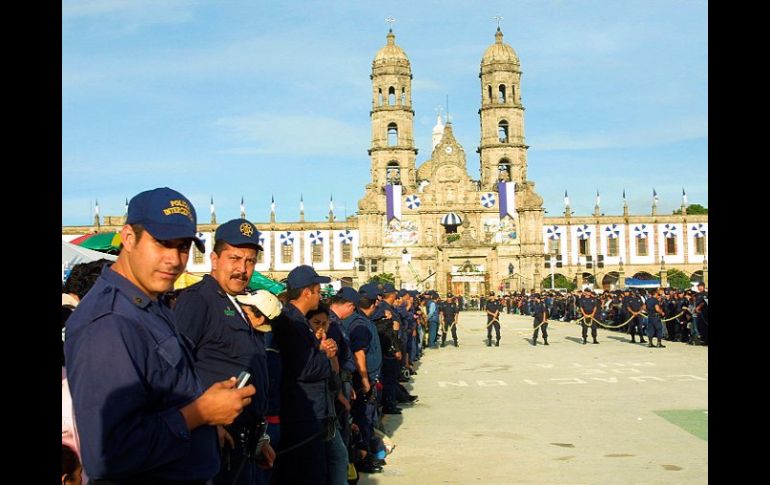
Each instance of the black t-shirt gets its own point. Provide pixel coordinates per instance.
(492, 306)
(587, 304)
(650, 303)
(538, 308)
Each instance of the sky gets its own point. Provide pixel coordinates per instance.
(257, 98)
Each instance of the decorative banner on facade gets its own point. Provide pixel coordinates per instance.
(345, 237)
(488, 200)
(262, 239)
(669, 230)
(583, 232)
(507, 193)
(286, 238)
(553, 233)
(400, 233)
(641, 231)
(316, 237)
(393, 201)
(612, 231)
(413, 201)
(699, 230)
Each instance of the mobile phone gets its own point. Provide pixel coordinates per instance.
(243, 379)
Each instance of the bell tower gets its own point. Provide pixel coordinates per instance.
(502, 150)
(392, 149)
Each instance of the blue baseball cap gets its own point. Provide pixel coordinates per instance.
(165, 214)
(239, 232)
(370, 291)
(388, 288)
(349, 294)
(303, 276)
(402, 292)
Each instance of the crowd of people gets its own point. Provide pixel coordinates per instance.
(149, 387)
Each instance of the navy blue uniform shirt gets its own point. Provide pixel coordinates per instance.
(652, 314)
(305, 369)
(450, 312)
(224, 343)
(587, 304)
(129, 373)
(494, 307)
(538, 308)
(337, 332)
(633, 302)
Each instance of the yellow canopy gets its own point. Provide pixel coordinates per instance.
(186, 280)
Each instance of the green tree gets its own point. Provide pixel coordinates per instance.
(559, 281)
(678, 279)
(693, 210)
(383, 278)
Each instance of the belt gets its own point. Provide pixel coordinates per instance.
(346, 376)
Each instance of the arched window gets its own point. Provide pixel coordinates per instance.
(501, 94)
(379, 97)
(502, 131)
(392, 134)
(403, 96)
(393, 173)
(489, 93)
(504, 170)
(391, 96)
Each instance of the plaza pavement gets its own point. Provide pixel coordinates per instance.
(613, 413)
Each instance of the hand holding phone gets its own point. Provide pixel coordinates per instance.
(243, 379)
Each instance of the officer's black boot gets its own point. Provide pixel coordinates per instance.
(585, 340)
(497, 343)
(534, 340)
(596, 341)
(456, 344)
(489, 342)
(443, 340)
(545, 340)
(633, 338)
(659, 343)
(649, 344)
(641, 340)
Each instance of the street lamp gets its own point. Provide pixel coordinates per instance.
(554, 251)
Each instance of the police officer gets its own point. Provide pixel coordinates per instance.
(144, 415)
(433, 315)
(633, 308)
(367, 355)
(493, 308)
(654, 314)
(386, 320)
(307, 410)
(588, 308)
(541, 317)
(451, 318)
(224, 342)
(701, 314)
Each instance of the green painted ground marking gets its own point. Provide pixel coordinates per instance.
(694, 421)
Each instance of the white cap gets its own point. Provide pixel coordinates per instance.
(265, 301)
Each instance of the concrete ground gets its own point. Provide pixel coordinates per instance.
(567, 413)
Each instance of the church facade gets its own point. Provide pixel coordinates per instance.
(436, 227)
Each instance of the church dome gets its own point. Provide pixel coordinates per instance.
(499, 52)
(391, 52)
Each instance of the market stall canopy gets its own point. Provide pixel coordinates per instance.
(106, 242)
(261, 282)
(72, 255)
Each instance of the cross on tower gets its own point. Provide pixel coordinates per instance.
(498, 18)
(390, 21)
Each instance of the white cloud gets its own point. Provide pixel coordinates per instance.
(671, 132)
(126, 16)
(296, 135)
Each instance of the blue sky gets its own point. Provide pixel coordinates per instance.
(258, 98)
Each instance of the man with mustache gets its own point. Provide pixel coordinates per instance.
(143, 414)
(224, 344)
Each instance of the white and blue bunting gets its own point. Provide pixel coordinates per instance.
(669, 230)
(641, 231)
(413, 201)
(553, 233)
(346, 237)
(699, 230)
(612, 231)
(583, 232)
(287, 238)
(316, 237)
(488, 200)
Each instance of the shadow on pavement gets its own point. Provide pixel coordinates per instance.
(575, 339)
